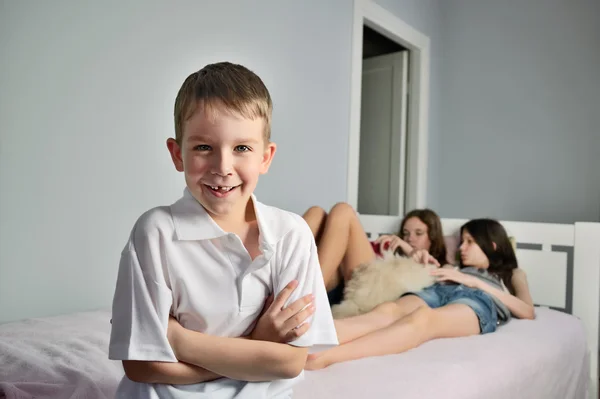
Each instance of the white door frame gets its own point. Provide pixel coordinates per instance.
(366, 12)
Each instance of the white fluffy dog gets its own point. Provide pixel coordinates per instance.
(380, 281)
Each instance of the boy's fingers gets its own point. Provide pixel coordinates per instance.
(297, 306)
(297, 332)
(298, 318)
(285, 294)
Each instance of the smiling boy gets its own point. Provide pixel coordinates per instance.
(193, 279)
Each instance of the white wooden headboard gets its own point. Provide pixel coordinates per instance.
(562, 262)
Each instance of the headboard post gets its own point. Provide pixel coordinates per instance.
(586, 289)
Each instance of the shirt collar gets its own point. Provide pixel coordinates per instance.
(192, 222)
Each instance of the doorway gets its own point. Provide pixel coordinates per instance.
(384, 105)
(407, 151)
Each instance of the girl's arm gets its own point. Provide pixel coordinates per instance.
(405, 247)
(519, 282)
(520, 304)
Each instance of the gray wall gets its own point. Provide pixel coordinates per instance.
(87, 96)
(520, 122)
(86, 106)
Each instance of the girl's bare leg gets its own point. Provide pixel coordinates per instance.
(380, 317)
(420, 326)
(315, 217)
(344, 245)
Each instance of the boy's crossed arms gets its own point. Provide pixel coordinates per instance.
(263, 355)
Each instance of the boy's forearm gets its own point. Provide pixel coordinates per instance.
(179, 373)
(238, 358)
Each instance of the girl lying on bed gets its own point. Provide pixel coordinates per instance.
(486, 290)
(343, 245)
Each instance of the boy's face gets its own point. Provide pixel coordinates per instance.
(222, 160)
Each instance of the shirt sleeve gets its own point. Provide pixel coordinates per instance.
(141, 303)
(299, 261)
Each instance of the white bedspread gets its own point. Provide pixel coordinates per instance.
(62, 357)
(66, 357)
(545, 358)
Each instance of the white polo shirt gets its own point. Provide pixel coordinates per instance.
(179, 261)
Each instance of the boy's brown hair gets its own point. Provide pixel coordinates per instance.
(223, 85)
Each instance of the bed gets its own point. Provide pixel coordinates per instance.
(553, 356)
(545, 359)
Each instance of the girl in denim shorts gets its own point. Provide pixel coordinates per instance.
(484, 291)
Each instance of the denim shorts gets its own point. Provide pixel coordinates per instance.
(482, 304)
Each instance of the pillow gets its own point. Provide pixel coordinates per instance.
(452, 243)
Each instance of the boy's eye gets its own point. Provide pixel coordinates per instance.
(202, 147)
(242, 148)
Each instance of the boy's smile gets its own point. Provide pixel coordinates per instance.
(220, 191)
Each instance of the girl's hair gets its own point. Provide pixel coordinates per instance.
(503, 261)
(434, 231)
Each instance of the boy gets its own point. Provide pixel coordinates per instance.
(212, 258)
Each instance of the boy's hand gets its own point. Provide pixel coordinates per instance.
(279, 324)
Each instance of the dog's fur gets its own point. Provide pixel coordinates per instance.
(382, 280)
